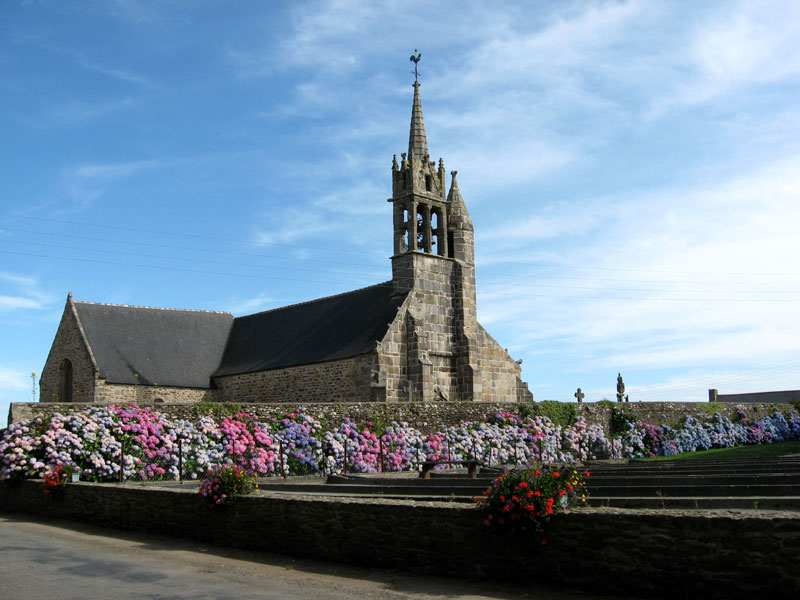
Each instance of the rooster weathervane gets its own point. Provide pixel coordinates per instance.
(415, 60)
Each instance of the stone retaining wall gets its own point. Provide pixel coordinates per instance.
(430, 416)
(716, 554)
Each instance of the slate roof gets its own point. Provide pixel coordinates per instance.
(164, 346)
(321, 330)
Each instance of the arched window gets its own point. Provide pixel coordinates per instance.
(66, 381)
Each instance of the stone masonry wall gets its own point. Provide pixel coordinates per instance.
(428, 417)
(499, 373)
(446, 347)
(392, 353)
(113, 393)
(709, 554)
(68, 344)
(346, 380)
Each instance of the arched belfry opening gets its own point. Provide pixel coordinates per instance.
(66, 384)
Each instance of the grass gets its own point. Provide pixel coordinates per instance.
(760, 451)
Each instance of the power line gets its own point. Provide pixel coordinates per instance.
(184, 248)
(171, 232)
(339, 249)
(178, 258)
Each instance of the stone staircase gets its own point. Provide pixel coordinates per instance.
(767, 484)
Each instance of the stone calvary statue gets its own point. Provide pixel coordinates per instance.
(620, 388)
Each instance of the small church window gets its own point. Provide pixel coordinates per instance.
(428, 183)
(66, 381)
(450, 245)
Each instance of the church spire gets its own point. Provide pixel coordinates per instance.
(461, 236)
(459, 216)
(417, 140)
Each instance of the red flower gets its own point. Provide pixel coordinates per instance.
(586, 473)
(537, 493)
(522, 485)
(556, 474)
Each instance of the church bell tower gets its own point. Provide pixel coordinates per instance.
(427, 220)
(433, 262)
(418, 193)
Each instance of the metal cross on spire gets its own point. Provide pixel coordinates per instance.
(415, 60)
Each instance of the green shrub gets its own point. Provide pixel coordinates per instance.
(620, 418)
(215, 409)
(560, 413)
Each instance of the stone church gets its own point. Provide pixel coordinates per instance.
(415, 338)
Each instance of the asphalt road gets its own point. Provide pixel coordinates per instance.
(56, 559)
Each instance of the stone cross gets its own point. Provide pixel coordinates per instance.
(620, 388)
(579, 395)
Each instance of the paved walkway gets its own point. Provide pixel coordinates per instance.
(56, 559)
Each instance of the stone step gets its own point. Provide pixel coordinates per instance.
(714, 502)
(415, 481)
(686, 491)
(407, 488)
(729, 466)
(691, 479)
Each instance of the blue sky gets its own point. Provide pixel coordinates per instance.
(632, 170)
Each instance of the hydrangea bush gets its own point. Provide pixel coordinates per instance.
(145, 444)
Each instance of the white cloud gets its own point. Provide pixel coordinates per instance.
(77, 112)
(17, 302)
(85, 183)
(14, 381)
(250, 305)
(106, 172)
(749, 44)
(293, 225)
(27, 296)
(710, 276)
(20, 280)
